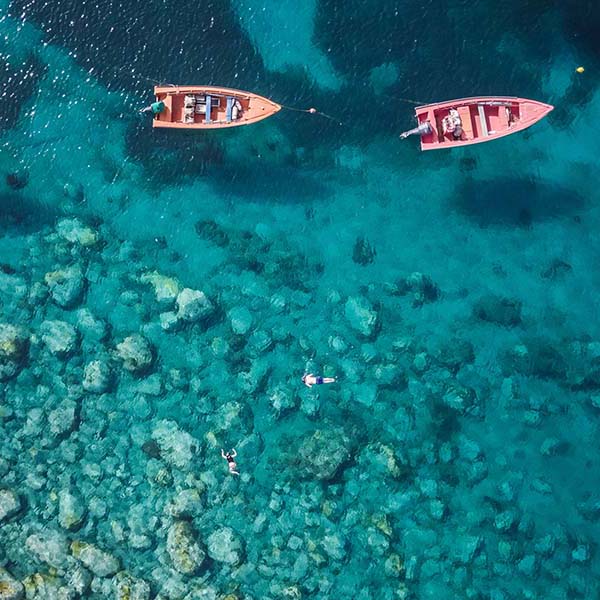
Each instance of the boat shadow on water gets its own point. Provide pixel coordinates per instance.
(512, 201)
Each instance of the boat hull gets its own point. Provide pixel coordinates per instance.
(186, 107)
(482, 119)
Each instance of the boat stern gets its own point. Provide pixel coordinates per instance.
(430, 136)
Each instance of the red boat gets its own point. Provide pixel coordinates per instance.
(207, 107)
(474, 120)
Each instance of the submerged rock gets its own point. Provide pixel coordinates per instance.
(166, 289)
(459, 398)
(186, 504)
(17, 180)
(193, 305)
(177, 447)
(498, 310)
(128, 587)
(97, 377)
(361, 315)
(10, 588)
(43, 586)
(363, 253)
(13, 286)
(100, 563)
(466, 547)
(92, 328)
(323, 454)
(224, 546)
(581, 554)
(556, 269)
(421, 287)
(63, 419)
(183, 549)
(454, 353)
(282, 399)
(259, 342)
(240, 319)
(335, 546)
(211, 231)
(505, 520)
(552, 446)
(60, 337)
(49, 547)
(14, 347)
(10, 504)
(66, 286)
(75, 232)
(540, 357)
(71, 510)
(78, 580)
(136, 353)
(169, 321)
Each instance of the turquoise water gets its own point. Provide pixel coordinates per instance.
(161, 296)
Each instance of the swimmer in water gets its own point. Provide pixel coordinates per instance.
(308, 379)
(229, 456)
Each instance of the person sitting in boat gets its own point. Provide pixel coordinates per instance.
(236, 110)
(451, 123)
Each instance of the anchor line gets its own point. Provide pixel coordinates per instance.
(312, 111)
(415, 102)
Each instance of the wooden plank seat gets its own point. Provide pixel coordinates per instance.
(230, 101)
(482, 120)
(208, 108)
(465, 121)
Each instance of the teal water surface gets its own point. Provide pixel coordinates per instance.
(162, 294)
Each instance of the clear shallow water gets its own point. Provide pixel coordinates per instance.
(462, 431)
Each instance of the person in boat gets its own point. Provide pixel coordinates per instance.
(229, 457)
(308, 379)
(452, 124)
(155, 108)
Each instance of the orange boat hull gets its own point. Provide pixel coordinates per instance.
(482, 119)
(186, 107)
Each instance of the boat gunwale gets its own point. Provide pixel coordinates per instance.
(175, 90)
(486, 100)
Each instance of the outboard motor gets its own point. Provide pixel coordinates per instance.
(423, 129)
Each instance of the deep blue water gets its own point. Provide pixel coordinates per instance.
(455, 457)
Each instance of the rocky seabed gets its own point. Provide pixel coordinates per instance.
(120, 384)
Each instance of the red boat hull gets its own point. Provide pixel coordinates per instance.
(482, 119)
(250, 108)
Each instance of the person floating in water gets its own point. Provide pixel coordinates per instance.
(229, 456)
(308, 379)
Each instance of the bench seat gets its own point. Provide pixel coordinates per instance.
(465, 121)
(229, 108)
(482, 120)
(208, 107)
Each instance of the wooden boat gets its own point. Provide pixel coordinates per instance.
(207, 107)
(474, 120)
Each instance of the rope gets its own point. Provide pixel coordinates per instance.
(312, 111)
(415, 102)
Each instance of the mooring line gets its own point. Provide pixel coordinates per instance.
(312, 111)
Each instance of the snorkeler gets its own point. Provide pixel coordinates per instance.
(308, 379)
(229, 456)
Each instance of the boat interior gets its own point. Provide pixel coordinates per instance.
(204, 108)
(476, 120)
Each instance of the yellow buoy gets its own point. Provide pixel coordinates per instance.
(580, 69)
